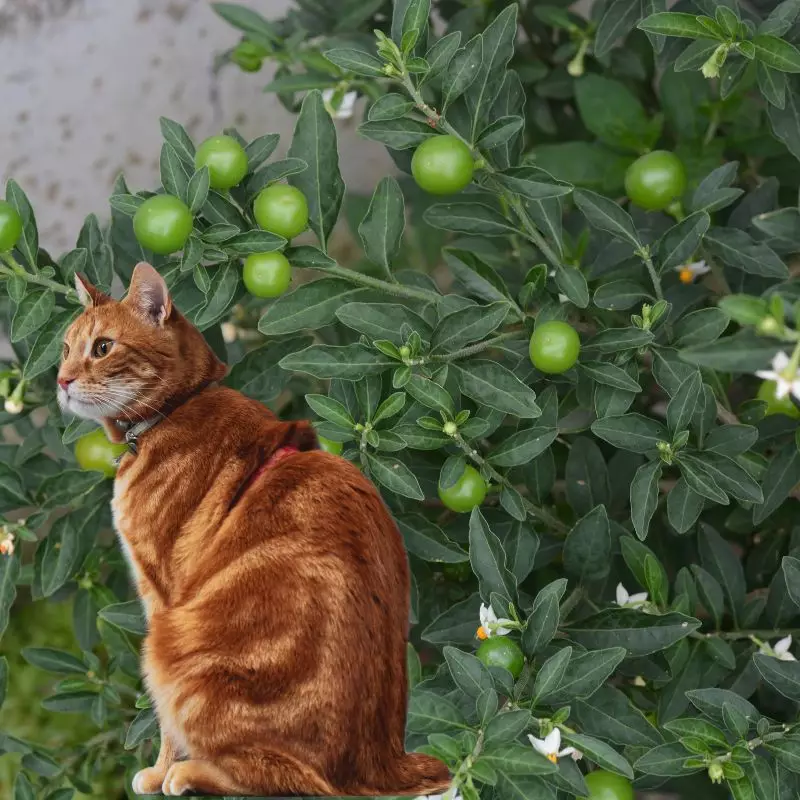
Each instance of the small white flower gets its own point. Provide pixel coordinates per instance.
(229, 332)
(629, 600)
(550, 746)
(447, 796)
(491, 625)
(779, 650)
(345, 110)
(687, 273)
(784, 384)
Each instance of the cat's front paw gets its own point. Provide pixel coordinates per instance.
(148, 781)
(177, 780)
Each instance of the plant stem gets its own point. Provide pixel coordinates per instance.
(764, 633)
(534, 511)
(644, 254)
(15, 269)
(396, 289)
(477, 348)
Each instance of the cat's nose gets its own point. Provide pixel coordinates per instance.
(64, 382)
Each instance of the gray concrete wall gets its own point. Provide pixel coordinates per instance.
(83, 83)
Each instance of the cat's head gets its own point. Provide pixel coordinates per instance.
(128, 359)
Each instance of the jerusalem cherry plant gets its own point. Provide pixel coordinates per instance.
(568, 355)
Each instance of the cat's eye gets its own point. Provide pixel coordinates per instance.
(102, 347)
(65, 354)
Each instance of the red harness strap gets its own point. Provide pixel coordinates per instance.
(277, 456)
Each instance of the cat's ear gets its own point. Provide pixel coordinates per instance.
(148, 294)
(88, 293)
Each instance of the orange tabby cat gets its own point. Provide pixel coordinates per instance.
(274, 580)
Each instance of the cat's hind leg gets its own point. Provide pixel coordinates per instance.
(265, 772)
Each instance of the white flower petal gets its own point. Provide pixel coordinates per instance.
(641, 597)
(553, 741)
(538, 744)
(767, 375)
(782, 387)
(780, 362)
(783, 645)
(622, 595)
(567, 751)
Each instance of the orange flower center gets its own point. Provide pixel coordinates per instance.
(686, 275)
(482, 634)
(552, 757)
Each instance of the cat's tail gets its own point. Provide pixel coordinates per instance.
(419, 774)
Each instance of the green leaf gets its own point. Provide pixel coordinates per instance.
(23, 790)
(466, 217)
(175, 175)
(644, 496)
(683, 506)
(382, 228)
(786, 752)
(271, 173)
(309, 306)
(28, 243)
(507, 726)
(349, 362)
(609, 375)
(426, 540)
(259, 150)
(639, 633)
(532, 183)
(250, 22)
(431, 713)
(492, 384)
(762, 777)
(783, 676)
(791, 574)
(517, 759)
(609, 714)
(633, 432)
(456, 625)
(742, 352)
(127, 204)
(550, 674)
(572, 283)
(777, 53)
(783, 474)
(587, 549)
(392, 105)
(397, 134)
(669, 23)
(9, 572)
(611, 111)
(772, 84)
(602, 754)
(683, 404)
(497, 50)
(255, 241)
(478, 277)
(699, 729)
(258, 374)
(544, 618)
(469, 324)
(144, 726)
(615, 340)
(605, 214)
(679, 243)
(500, 131)
(330, 409)
(717, 556)
(100, 261)
(700, 481)
(738, 250)
(440, 55)
(175, 135)
(3, 679)
(462, 70)
(430, 394)
(49, 344)
(522, 447)
(394, 475)
(51, 660)
(469, 673)
(378, 321)
(314, 142)
(355, 61)
(666, 760)
(585, 674)
(618, 295)
(220, 295)
(617, 21)
(488, 560)
(727, 474)
(699, 327)
(731, 440)
(32, 313)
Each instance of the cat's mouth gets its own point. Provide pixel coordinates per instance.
(91, 405)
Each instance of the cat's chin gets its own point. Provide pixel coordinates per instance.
(93, 411)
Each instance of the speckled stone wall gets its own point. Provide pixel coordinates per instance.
(83, 83)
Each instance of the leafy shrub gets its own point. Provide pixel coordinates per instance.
(636, 540)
